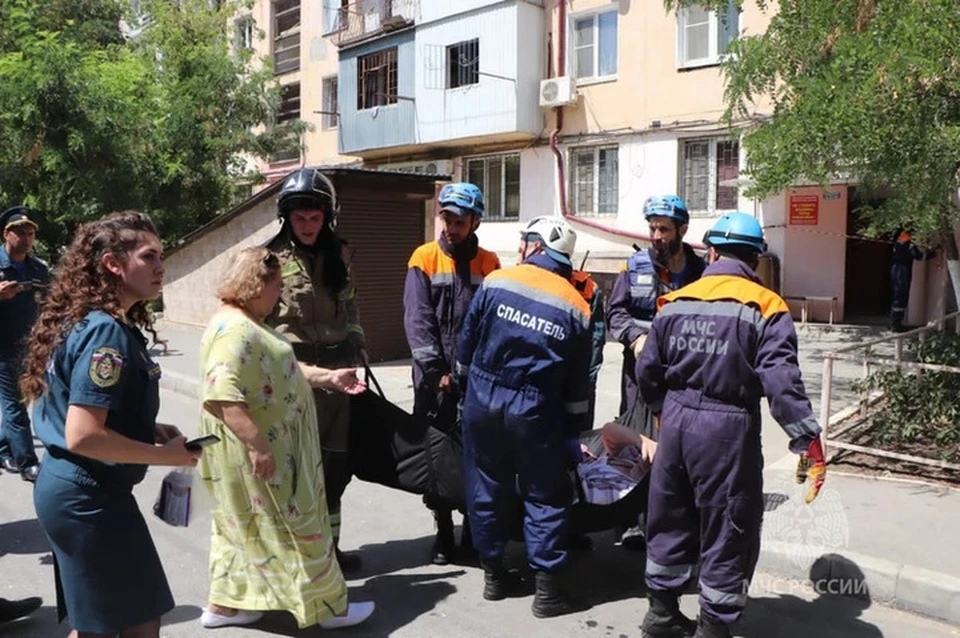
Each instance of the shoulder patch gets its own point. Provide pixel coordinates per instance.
(105, 367)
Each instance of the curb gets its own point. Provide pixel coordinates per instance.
(912, 589)
(180, 383)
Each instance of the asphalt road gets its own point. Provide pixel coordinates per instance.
(394, 532)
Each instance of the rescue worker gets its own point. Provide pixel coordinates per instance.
(905, 252)
(524, 362)
(442, 277)
(669, 264)
(23, 283)
(317, 312)
(714, 349)
(593, 295)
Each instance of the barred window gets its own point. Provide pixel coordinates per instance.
(498, 176)
(594, 180)
(463, 64)
(289, 111)
(331, 111)
(709, 169)
(377, 79)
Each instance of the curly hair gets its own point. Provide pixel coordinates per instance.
(81, 285)
(246, 275)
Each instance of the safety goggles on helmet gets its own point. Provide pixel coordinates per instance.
(461, 198)
(666, 206)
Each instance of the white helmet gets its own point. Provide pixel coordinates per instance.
(556, 234)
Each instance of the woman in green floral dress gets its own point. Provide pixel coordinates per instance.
(272, 548)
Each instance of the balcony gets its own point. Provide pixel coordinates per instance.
(362, 20)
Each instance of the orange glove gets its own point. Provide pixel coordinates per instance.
(812, 466)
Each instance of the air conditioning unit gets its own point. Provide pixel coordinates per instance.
(438, 167)
(560, 91)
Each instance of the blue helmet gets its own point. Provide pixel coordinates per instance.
(736, 229)
(666, 206)
(462, 198)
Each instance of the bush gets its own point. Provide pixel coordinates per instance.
(920, 410)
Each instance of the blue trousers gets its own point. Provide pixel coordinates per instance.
(706, 503)
(16, 440)
(514, 446)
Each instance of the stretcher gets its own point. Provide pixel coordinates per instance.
(391, 447)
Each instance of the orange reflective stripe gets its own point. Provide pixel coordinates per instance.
(584, 284)
(431, 260)
(731, 288)
(484, 263)
(545, 282)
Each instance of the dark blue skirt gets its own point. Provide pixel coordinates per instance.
(109, 576)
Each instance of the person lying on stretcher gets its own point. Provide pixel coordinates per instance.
(626, 460)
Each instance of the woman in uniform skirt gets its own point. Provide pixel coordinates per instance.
(96, 396)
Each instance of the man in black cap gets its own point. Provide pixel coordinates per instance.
(23, 282)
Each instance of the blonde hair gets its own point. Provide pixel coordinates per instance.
(246, 275)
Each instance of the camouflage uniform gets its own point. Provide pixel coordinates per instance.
(325, 331)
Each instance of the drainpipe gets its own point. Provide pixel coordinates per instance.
(561, 177)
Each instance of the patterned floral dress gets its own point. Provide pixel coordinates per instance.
(272, 548)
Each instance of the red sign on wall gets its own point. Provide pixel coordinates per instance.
(804, 210)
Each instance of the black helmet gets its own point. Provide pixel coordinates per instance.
(308, 188)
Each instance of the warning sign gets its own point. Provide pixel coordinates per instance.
(804, 210)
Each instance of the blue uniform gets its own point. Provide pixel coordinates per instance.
(524, 357)
(106, 561)
(633, 304)
(714, 350)
(441, 281)
(901, 276)
(17, 316)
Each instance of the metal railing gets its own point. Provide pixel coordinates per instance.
(832, 437)
(362, 19)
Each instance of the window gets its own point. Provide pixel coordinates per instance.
(594, 46)
(330, 109)
(709, 169)
(498, 176)
(702, 37)
(594, 178)
(463, 64)
(289, 111)
(377, 79)
(286, 36)
(243, 34)
(336, 16)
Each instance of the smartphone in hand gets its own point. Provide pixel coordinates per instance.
(201, 442)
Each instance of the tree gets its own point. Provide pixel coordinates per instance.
(864, 89)
(95, 117)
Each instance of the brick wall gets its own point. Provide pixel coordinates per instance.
(193, 272)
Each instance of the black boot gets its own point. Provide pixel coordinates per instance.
(498, 583)
(14, 609)
(550, 600)
(710, 628)
(444, 544)
(664, 618)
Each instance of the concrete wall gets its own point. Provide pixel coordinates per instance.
(193, 272)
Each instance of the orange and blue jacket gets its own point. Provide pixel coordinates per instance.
(592, 294)
(527, 336)
(727, 339)
(441, 281)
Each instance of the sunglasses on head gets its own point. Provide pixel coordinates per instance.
(270, 260)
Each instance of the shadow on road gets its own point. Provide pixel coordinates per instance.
(400, 598)
(842, 597)
(23, 537)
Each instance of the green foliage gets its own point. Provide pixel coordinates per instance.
(161, 117)
(920, 409)
(863, 89)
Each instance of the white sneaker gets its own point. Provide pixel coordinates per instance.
(356, 614)
(211, 620)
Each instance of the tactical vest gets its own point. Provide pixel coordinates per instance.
(644, 285)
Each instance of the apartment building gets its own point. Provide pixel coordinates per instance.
(582, 108)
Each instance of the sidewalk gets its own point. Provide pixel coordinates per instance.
(894, 541)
